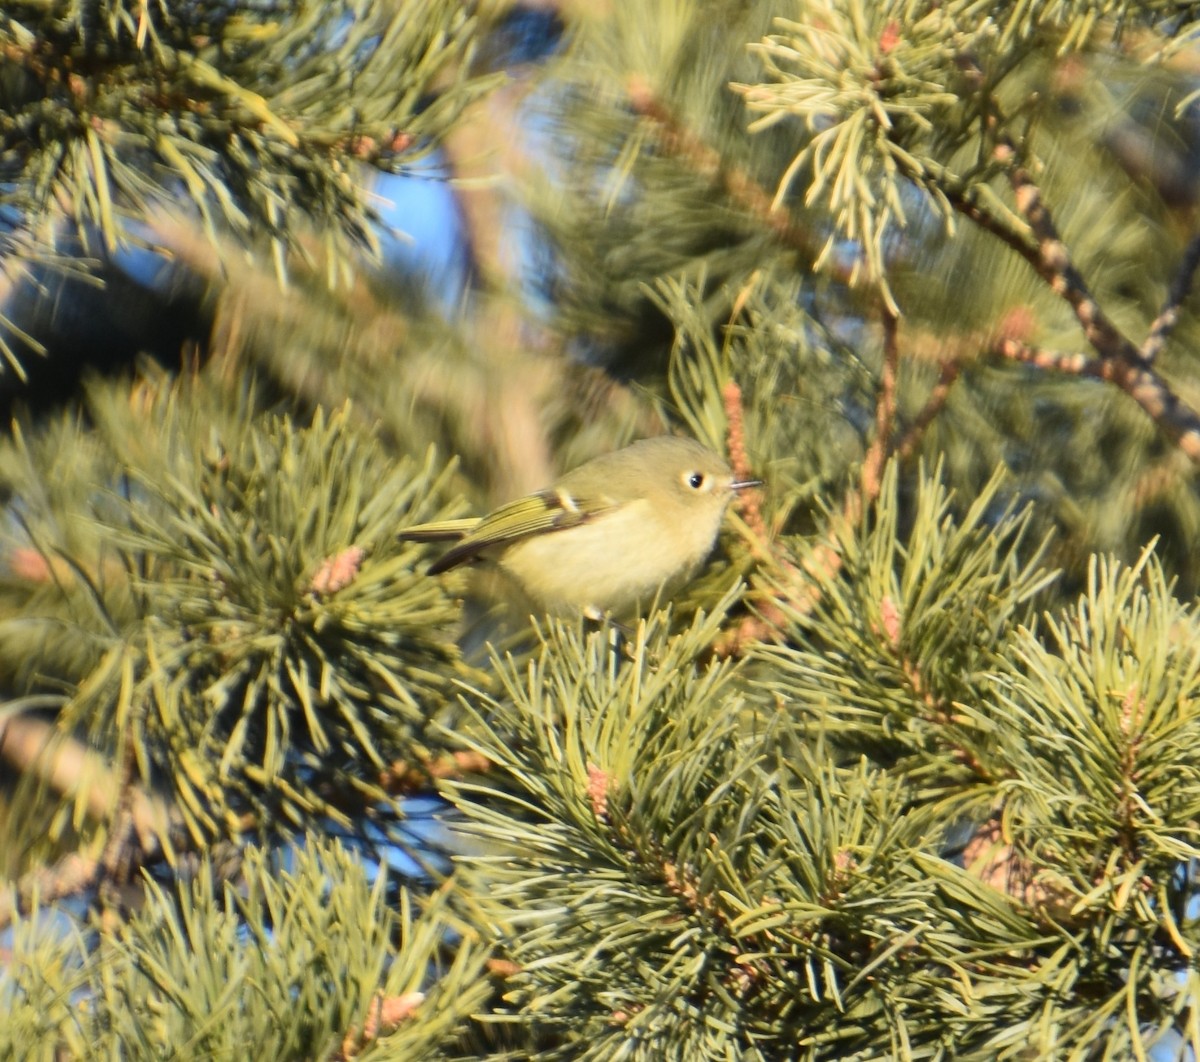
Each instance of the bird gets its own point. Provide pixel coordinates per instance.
(609, 535)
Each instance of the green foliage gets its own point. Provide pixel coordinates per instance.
(869, 102)
(1078, 737)
(294, 964)
(247, 620)
(702, 860)
(922, 653)
(949, 812)
(907, 626)
(226, 105)
(37, 986)
(887, 92)
(624, 212)
(1100, 734)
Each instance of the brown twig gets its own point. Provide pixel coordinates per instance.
(123, 852)
(402, 777)
(1120, 362)
(749, 501)
(964, 200)
(1129, 800)
(72, 875)
(1053, 263)
(35, 748)
(871, 479)
(743, 189)
(934, 404)
(487, 140)
(801, 583)
(1164, 324)
(1070, 363)
(951, 353)
(935, 709)
(754, 627)
(1178, 420)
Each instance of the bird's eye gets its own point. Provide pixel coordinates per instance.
(695, 480)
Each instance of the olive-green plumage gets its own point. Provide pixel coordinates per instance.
(608, 535)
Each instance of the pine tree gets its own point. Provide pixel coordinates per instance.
(912, 770)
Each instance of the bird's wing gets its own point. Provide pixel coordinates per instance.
(438, 531)
(548, 510)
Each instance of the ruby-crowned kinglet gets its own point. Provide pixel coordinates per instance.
(609, 534)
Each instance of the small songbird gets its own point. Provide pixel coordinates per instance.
(609, 535)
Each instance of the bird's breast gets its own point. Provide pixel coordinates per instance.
(610, 563)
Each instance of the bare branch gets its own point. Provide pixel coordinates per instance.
(72, 875)
(934, 404)
(1120, 362)
(66, 765)
(1168, 316)
(1175, 417)
(1053, 263)
(885, 409)
(37, 748)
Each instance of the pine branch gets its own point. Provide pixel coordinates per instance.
(116, 115)
(746, 899)
(911, 632)
(1052, 261)
(260, 629)
(1178, 420)
(72, 876)
(303, 957)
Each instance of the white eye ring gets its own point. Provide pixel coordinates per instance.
(695, 480)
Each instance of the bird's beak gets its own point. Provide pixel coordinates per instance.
(742, 484)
